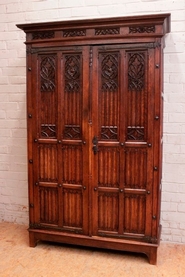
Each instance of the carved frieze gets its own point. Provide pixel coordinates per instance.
(74, 33)
(142, 29)
(43, 35)
(107, 31)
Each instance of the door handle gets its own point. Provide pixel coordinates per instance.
(95, 144)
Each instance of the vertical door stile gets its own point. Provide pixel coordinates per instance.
(60, 105)
(32, 135)
(122, 116)
(150, 141)
(94, 132)
(85, 139)
(157, 137)
(89, 106)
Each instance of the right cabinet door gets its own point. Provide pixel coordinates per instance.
(122, 140)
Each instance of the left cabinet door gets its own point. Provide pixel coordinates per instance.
(58, 139)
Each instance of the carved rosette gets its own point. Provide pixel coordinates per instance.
(48, 130)
(72, 132)
(135, 133)
(109, 132)
(47, 74)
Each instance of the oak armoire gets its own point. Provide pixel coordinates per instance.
(94, 109)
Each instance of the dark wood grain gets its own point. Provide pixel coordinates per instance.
(94, 111)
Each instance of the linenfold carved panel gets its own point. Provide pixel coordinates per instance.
(136, 168)
(142, 29)
(48, 198)
(72, 164)
(136, 71)
(72, 208)
(47, 162)
(108, 215)
(47, 74)
(135, 213)
(107, 31)
(108, 159)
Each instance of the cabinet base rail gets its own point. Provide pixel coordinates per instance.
(149, 249)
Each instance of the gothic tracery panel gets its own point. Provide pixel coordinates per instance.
(47, 73)
(109, 71)
(136, 71)
(48, 96)
(137, 96)
(72, 96)
(109, 95)
(72, 73)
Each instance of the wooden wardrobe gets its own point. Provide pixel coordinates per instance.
(94, 109)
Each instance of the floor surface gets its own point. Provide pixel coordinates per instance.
(17, 259)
